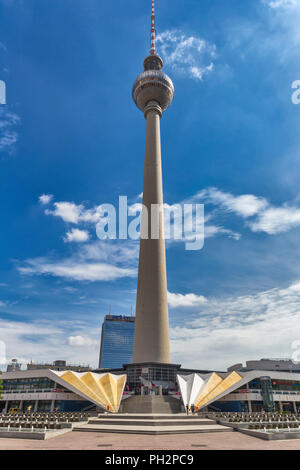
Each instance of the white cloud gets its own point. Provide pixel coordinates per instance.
(187, 55)
(282, 3)
(285, 38)
(8, 134)
(76, 270)
(231, 330)
(264, 217)
(246, 205)
(45, 198)
(81, 341)
(276, 220)
(79, 214)
(259, 215)
(76, 213)
(76, 235)
(213, 230)
(122, 252)
(40, 340)
(68, 211)
(96, 261)
(190, 224)
(185, 300)
(224, 331)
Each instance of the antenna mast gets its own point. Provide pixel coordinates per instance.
(153, 32)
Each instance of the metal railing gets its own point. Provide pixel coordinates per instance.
(36, 390)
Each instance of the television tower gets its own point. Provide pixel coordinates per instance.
(153, 93)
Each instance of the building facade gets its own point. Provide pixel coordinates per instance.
(59, 365)
(247, 391)
(38, 390)
(117, 339)
(49, 390)
(274, 391)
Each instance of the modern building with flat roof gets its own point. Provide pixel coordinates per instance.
(38, 390)
(117, 339)
(282, 365)
(235, 390)
(49, 390)
(59, 365)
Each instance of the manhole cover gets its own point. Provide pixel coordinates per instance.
(199, 445)
(104, 445)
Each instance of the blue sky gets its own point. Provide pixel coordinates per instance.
(70, 131)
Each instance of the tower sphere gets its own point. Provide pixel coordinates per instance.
(153, 85)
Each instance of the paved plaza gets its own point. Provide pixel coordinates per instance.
(104, 441)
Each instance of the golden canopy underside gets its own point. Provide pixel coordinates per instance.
(215, 386)
(105, 390)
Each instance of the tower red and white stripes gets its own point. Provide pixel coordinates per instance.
(153, 32)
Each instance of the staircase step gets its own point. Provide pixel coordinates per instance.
(155, 430)
(151, 422)
(149, 416)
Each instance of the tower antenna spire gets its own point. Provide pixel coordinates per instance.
(153, 31)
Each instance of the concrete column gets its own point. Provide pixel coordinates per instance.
(52, 405)
(21, 405)
(151, 342)
(280, 407)
(36, 404)
(295, 407)
(6, 406)
(249, 401)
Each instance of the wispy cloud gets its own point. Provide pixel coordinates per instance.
(8, 133)
(275, 220)
(282, 3)
(72, 269)
(40, 340)
(187, 55)
(260, 214)
(77, 214)
(285, 16)
(81, 341)
(245, 205)
(95, 261)
(227, 330)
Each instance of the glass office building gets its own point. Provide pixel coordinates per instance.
(116, 341)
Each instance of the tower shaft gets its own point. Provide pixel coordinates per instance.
(151, 324)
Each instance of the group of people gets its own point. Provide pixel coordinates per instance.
(191, 409)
